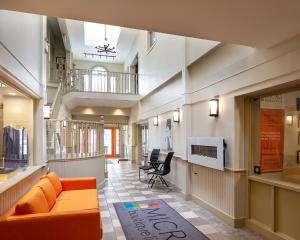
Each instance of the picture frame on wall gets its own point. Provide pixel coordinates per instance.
(167, 140)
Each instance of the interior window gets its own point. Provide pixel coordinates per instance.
(16, 130)
(276, 136)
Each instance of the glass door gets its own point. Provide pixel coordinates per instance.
(112, 142)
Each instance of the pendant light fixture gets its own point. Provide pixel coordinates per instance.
(106, 49)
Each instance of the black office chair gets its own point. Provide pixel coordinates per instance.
(153, 158)
(166, 169)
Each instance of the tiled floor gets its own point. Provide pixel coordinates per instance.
(123, 185)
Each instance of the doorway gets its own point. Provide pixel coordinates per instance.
(112, 142)
(145, 140)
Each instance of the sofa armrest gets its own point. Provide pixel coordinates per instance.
(78, 183)
(75, 225)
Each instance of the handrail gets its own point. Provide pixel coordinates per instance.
(56, 101)
(68, 139)
(86, 80)
(56, 95)
(74, 121)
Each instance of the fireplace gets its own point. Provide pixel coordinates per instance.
(207, 151)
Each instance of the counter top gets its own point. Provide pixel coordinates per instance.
(18, 176)
(277, 180)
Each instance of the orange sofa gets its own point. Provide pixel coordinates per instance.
(55, 209)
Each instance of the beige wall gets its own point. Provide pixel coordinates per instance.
(228, 71)
(22, 47)
(23, 63)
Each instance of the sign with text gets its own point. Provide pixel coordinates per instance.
(154, 220)
(271, 139)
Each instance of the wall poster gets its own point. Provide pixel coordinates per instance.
(167, 143)
(271, 135)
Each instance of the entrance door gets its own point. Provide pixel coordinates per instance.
(112, 142)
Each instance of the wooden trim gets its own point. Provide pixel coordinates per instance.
(277, 183)
(265, 231)
(113, 142)
(102, 155)
(18, 186)
(234, 222)
(18, 177)
(273, 205)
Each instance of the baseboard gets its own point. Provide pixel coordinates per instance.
(265, 231)
(183, 194)
(234, 222)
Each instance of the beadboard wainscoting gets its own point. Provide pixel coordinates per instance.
(85, 167)
(222, 192)
(20, 184)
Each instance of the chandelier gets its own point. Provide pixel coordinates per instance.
(105, 49)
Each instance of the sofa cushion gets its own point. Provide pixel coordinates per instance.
(48, 190)
(54, 179)
(33, 201)
(76, 200)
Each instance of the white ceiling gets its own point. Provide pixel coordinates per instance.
(75, 32)
(256, 23)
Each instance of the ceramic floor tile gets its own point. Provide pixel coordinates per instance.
(107, 228)
(165, 196)
(116, 223)
(140, 198)
(105, 214)
(207, 229)
(189, 214)
(125, 194)
(123, 186)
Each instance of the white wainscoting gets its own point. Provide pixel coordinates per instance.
(73, 168)
(11, 195)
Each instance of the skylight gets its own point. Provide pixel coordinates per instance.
(94, 34)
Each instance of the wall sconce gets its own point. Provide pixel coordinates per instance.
(176, 116)
(155, 121)
(74, 126)
(64, 124)
(289, 120)
(214, 107)
(46, 111)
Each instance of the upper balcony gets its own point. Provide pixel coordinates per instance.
(83, 87)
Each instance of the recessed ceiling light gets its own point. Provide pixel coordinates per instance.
(12, 94)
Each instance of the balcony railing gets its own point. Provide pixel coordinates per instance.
(69, 139)
(83, 80)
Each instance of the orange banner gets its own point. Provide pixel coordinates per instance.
(271, 139)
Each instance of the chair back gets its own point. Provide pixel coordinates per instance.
(154, 155)
(167, 165)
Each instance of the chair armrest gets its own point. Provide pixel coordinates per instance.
(73, 225)
(78, 183)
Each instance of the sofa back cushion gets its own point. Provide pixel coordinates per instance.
(32, 202)
(48, 190)
(54, 179)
